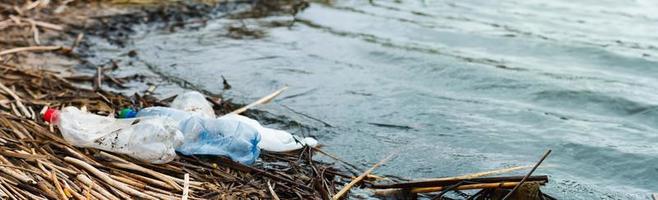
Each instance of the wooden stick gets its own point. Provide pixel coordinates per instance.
(395, 191)
(467, 187)
(527, 175)
(358, 179)
(481, 174)
(264, 100)
(449, 182)
(186, 186)
(33, 48)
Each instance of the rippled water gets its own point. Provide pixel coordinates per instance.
(469, 85)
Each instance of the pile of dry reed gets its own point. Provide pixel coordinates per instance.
(36, 163)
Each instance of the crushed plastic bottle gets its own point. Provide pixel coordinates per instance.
(193, 102)
(271, 139)
(149, 139)
(211, 136)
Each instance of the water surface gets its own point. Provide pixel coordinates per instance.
(456, 86)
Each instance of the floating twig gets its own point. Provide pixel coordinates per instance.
(359, 178)
(263, 100)
(528, 175)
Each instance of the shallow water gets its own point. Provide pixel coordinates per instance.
(456, 86)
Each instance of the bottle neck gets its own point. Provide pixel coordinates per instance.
(51, 116)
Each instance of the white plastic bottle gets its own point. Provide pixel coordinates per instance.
(193, 102)
(271, 139)
(149, 139)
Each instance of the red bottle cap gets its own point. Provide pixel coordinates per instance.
(51, 115)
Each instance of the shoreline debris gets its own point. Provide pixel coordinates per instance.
(33, 151)
(37, 163)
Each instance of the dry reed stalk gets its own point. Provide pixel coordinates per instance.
(32, 48)
(96, 195)
(138, 185)
(100, 190)
(506, 185)
(186, 186)
(480, 174)
(19, 102)
(132, 166)
(263, 100)
(147, 180)
(359, 178)
(58, 187)
(269, 187)
(548, 152)
(107, 179)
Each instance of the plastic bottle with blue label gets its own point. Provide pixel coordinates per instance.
(271, 139)
(211, 136)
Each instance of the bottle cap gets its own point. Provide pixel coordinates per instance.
(50, 115)
(127, 113)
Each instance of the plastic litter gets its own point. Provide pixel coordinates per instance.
(193, 102)
(149, 139)
(211, 136)
(127, 113)
(271, 139)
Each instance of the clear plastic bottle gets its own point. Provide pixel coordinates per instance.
(271, 139)
(149, 139)
(211, 136)
(193, 102)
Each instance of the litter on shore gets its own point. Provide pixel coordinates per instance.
(104, 145)
(38, 163)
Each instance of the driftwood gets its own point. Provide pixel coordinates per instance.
(448, 182)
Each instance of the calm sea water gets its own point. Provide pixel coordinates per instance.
(460, 86)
